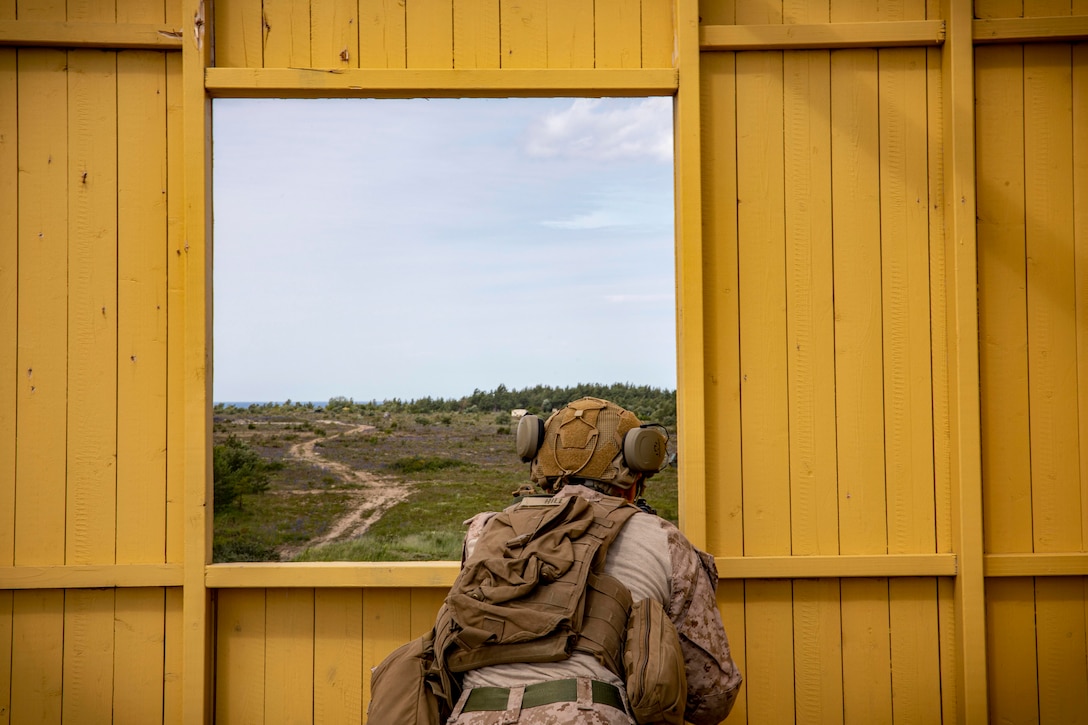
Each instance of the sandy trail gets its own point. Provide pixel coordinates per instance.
(376, 495)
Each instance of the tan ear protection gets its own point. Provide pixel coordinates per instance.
(644, 447)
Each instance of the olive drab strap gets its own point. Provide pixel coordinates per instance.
(533, 589)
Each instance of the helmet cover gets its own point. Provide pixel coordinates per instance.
(585, 440)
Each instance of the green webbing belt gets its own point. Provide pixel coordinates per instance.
(541, 693)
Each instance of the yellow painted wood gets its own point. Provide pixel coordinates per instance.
(175, 312)
(257, 83)
(858, 344)
(239, 33)
(658, 33)
(37, 649)
(1003, 360)
(240, 658)
(381, 34)
(9, 300)
(810, 347)
(731, 604)
(289, 656)
(197, 625)
(173, 659)
(572, 34)
(42, 308)
(1013, 651)
(338, 655)
(959, 196)
(761, 243)
(90, 575)
(334, 574)
(1051, 299)
(429, 33)
(1063, 649)
(723, 495)
(523, 33)
(6, 623)
(137, 11)
(867, 686)
(92, 308)
(942, 463)
(286, 33)
(768, 624)
(690, 373)
(31, 33)
(475, 34)
(915, 650)
(822, 35)
(1064, 564)
(142, 314)
(904, 259)
(1020, 30)
(618, 33)
(387, 622)
(946, 621)
(1080, 242)
(139, 642)
(817, 652)
(88, 656)
(334, 34)
(425, 605)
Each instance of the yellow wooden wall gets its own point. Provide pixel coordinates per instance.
(880, 208)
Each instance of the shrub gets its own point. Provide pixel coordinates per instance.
(238, 470)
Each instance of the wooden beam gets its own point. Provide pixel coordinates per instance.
(90, 576)
(821, 567)
(905, 33)
(1071, 564)
(29, 33)
(361, 574)
(402, 83)
(1030, 30)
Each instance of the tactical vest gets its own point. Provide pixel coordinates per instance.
(534, 590)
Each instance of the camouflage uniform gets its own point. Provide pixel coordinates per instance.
(653, 559)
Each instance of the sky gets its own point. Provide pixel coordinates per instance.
(379, 249)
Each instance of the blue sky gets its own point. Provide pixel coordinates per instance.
(381, 249)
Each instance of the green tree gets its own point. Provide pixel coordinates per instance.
(237, 470)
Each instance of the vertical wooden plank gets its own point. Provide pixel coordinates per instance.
(88, 656)
(37, 644)
(425, 604)
(1063, 658)
(172, 658)
(381, 34)
(1051, 297)
(41, 9)
(719, 273)
(286, 34)
(102, 11)
(1011, 644)
(768, 621)
(866, 656)
(1080, 235)
(42, 307)
(571, 32)
(334, 34)
(618, 33)
(904, 220)
(761, 243)
(946, 620)
(810, 303)
(289, 656)
(9, 300)
(915, 650)
(142, 314)
(476, 33)
(429, 33)
(523, 33)
(139, 645)
(92, 307)
(175, 313)
(731, 604)
(858, 360)
(658, 35)
(387, 622)
(239, 34)
(817, 643)
(240, 656)
(6, 626)
(338, 655)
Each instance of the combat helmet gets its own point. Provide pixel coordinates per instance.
(590, 439)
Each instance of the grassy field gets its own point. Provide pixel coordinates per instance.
(412, 478)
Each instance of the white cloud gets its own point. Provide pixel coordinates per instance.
(595, 129)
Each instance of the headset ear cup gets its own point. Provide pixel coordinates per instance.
(644, 450)
(530, 437)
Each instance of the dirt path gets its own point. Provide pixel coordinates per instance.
(376, 495)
